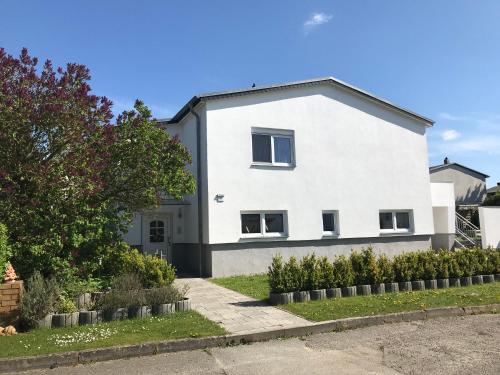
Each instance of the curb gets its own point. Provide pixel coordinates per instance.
(152, 348)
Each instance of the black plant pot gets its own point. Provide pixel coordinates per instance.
(378, 288)
(65, 320)
(117, 314)
(488, 279)
(497, 277)
(466, 281)
(392, 287)
(349, 291)
(302, 296)
(318, 294)
(455, 282)
(364, 290)
(139, 312)
(281, 298)
(443, 283)
(334, 293)
(418, 285)
(431, 284)
(82, 300)
(183, 305)
(163, 309)
(405, 286)
(478, 279)
(88, 317)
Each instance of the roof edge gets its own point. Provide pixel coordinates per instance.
(443, 166)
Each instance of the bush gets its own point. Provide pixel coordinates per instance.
(429, 262)
(493, 265)
(293, 275)
(65, 305)
(403, 267)
(342, 272)
(385, 269)
(126, 282)
(364, 266)
(5, 250)
(325, 269)
(113, 300)
(79, 286)
(311, 273)
(277, 275)
(163, 295)
(492, 200)
(38, 300)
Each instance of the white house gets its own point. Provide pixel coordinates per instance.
(315, 165)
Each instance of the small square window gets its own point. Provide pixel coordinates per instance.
(250, 223)
(273, 147)
(395, 221)
(274, 223)
(386, 220)
(263, 224)
(328, 222)
(261, 148)
(402, 220)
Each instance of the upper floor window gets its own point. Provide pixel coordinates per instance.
(156, 231)
(273, 147)
(395, 221)
(330, 223)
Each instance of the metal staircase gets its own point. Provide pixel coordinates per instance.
(467, 234)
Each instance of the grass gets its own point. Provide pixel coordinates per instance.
(257, 287)
(45, 341)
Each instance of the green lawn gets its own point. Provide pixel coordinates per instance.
(257, 287)
(44, 341)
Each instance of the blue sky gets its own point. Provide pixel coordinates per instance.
(439, 58)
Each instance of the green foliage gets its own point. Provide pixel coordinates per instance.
(429, 261)
(492, 200)
(403, 267)
(5, 250)
(126, 281)
(277, 275)
(163, 295)
(325, 268)
(385, 269)
(77, 286)
(343, 273)
(65, 305)
(493, 265)
(38, 300)
(293, 275)
(364, 265)
(113, 300)
(311, 273)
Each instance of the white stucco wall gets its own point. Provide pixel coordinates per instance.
(490, 226)
(443, 205)
(352, 155)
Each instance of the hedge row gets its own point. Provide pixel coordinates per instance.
(364, 267)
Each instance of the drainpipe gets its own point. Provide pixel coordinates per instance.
(198, 187)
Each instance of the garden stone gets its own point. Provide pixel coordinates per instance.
(443, 283)
(418, 285)
(118, 314)
(88, 317)
(82, 300)
(478, 279)
(349, 291)
(318, 294)
(45, 322)
(183, 305)
(280, 298)
(139, 312)
(431, 284)
(466, 281)
(488, 279)
(455, 281)
(378, 288)
(65, 320)
(392, 287)
(302, 296)
(405, 286)
(334, 293)
(163, 309)
(364, 290)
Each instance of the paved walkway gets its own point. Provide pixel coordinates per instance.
(234, 311)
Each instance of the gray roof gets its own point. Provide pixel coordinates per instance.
(444, 166)
(494, 189)
(310, 82)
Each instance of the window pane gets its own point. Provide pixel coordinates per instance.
(261, 148)
(403, 220)
(282, 150)
(385, 220)
(250, 223)
(328, 223)
(274, 223)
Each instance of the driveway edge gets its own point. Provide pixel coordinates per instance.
(137, 350)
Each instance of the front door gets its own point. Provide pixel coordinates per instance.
(157, 235)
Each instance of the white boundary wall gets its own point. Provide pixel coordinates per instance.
(490, 226)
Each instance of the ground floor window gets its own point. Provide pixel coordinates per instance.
(269, 224)
(330, 223)
(395, 221)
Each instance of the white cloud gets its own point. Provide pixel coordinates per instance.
(450, 135)
(316, 20)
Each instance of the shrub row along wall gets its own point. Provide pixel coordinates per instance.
(10, 295)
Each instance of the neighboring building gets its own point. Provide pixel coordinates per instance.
(493, 190)
(314, 165)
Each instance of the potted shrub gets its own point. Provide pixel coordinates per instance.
(477, 279)
(321, 268)
(38, 302)
(182, 302)
(344, 275)
(162, 300)
(403, 271)
(384, 274)
(311, 277)
(137, 307)
(113, 305)
(364, 265)
(66, 313)
(293, 282)
(276, 272)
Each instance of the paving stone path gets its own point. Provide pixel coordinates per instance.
(234, 311)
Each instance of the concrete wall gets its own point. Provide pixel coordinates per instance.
(443, 210)
(490, 226)
(352, 155)
(470, 187)
(254, 258)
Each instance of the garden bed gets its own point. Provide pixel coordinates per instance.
(45, 341)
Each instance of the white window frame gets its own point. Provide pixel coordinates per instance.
(395, 229)
(263, 233)
(336, 231)
(281, 133)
